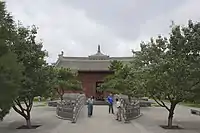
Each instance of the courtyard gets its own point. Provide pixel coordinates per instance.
(102, 121)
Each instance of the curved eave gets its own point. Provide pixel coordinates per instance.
(57, 62)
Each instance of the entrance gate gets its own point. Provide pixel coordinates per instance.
(99, 94)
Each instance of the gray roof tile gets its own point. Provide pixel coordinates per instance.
(95, 62)
(86, 63)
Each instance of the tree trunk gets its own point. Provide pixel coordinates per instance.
(60, 92)
(25, 112)
(28, 123)
(170, 119)
(171, 115)
(61, 98)
(129, 98)
(28, 119)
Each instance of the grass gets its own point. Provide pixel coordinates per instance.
(155, 105)
(36, 99)
(40, 105)
(196, 105)
(188, 104)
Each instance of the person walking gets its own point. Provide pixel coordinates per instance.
(119, 114)
(90, 106)
(110, 103)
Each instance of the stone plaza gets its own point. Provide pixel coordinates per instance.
(102, 122)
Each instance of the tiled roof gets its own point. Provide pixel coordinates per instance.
(96, 62)
(85, 63)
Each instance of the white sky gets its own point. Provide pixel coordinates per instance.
(78, 26)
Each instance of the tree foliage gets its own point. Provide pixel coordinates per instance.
(170, 67)
(51, 80)
(115, 65)
(164, 68)
(10, 69)
(122, 80)
(66, 80)
(24, 73)
(30, 54)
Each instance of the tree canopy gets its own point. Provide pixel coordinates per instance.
(66, 80)
(30, 54)
(164, 69)
(10, 69)
(24, 73)
(122, 80)
(171, 66)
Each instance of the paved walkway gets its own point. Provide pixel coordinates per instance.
(102, 122)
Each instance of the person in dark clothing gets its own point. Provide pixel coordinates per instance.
(90, 106)
(110, 103)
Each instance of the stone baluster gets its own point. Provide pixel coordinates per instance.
(74, 115)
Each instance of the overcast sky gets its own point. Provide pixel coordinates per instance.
(78, 26)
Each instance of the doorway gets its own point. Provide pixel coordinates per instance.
(99, 94)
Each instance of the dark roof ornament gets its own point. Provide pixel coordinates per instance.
(61, 55)
(98, 55)
(99, 49)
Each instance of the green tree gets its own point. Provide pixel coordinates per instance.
(10, 69)
(124, 80)
(66, 80)
(112, 82)
(29, 52)
(115, 65)
(51, 80)
(171, 66)
(10, 75)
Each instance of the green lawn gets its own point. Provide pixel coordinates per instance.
(155, 105)
(196, 105)
(189, 104)
(40, 104)
(36, 99)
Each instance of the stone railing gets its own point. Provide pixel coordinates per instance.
(53, 103)
(130, 109)
(80, 102)
(195, 111)
(70, 107)
(145, 103)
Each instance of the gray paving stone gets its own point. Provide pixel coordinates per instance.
(40, 115)
(155, 116)
(102, 122)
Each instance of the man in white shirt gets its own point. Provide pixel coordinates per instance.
(118, 105)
